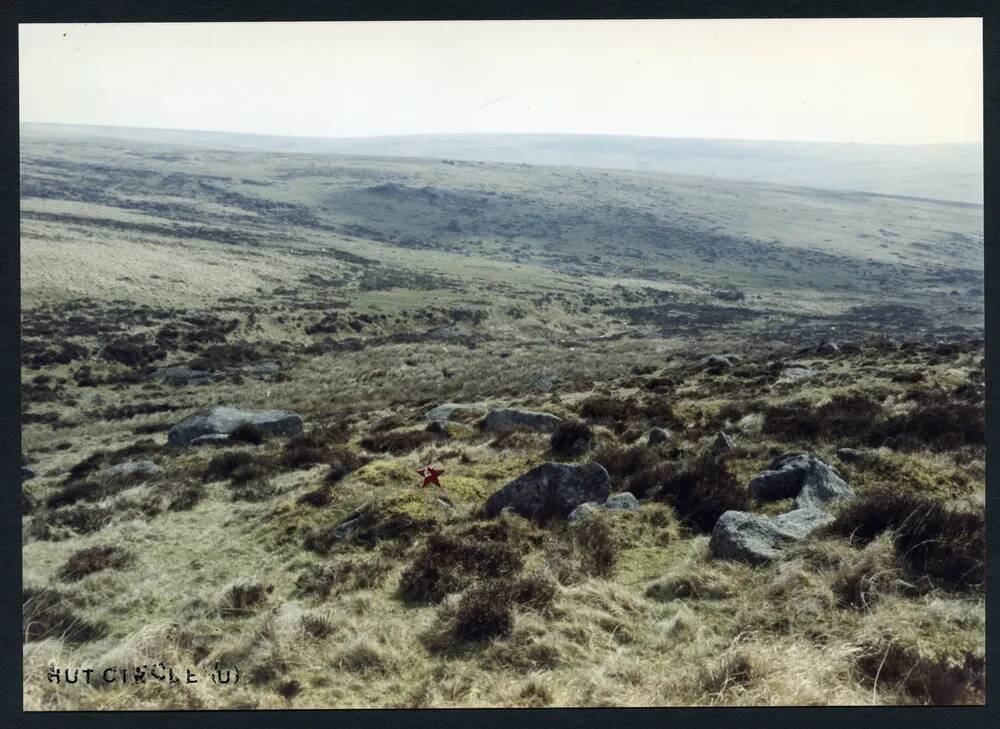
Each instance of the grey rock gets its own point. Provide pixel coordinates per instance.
(268, 367)
(346, 528)
(828, 346)
(183, 375)
(224, 420)
(800, 523)
(514, 419)
(799, 373)
(583, 511)
(784, 483)
(822, 486)
(722, 444)
(714, 364)
(128, 468)
(551, 489)
(790, 458)
(803, 476)
(850, 455)
(659, 435)
(622, 501)
(445, 412)
(759, 539)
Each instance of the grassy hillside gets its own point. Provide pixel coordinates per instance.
(360, 292)
(938, 171)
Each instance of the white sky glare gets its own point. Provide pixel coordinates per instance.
(895, 81)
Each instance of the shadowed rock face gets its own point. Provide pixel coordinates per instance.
(551, 489)
(513, 419)
(759, 539)
(224, 420)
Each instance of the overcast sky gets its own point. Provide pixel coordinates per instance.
(885, 81)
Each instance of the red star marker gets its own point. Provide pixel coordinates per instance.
(430, 475)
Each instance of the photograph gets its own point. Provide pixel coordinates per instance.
(466, 364)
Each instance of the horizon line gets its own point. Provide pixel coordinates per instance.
(484, 134)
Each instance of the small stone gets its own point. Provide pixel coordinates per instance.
(622, 501)
(659, 435)
(583, 511)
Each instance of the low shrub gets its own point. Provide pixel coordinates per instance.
(73, 492)
(94, 559)
(46, 613)
(343, 461)
(484, 611)
(398, 442)
(186, 497)
(571, 438)
(448, 563)
(306, 450)
(225, 464)
(607, 409)
(940, 426)
(248, 433)
(934, 679)
(81, 518)
(251, 489)
(317, 497)
(735, 670)
(945, 544)
(242, 599)
(702, 491)
(595, 546)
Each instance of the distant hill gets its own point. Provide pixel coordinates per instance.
(951, 172)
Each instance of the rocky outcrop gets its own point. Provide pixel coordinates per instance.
(803, 476)
(759, 539)
(224, 420)
(514, 419)
(449, 410)
(551, 490)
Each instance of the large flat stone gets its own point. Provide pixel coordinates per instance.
(551, 490)
(224, 420)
